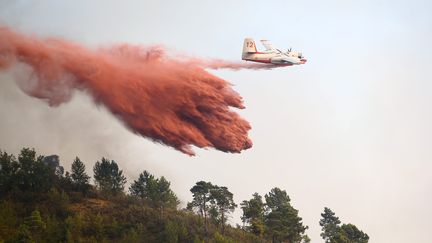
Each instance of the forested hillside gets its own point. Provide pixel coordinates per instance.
(40, 202)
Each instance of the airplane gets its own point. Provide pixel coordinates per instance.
(271, 55)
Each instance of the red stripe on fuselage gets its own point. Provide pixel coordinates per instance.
(269, 61)
(262, 61)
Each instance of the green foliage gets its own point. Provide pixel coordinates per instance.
(24, 235)
(164, 196)
(330, 225)
(8, 218)
(214, 215)
(306, 239)
(58, 201)
(73, 228)
(41, 203)
(154, 191)
(353, 234)
(34, 222)
(201, 198)
(332, 232)
(131, 236)
(282, 220)
(29, 173)
(171, 232)
(34, 174)
(218, 238)
(144, 187)
(96, 226)
(253, 215)
(196, 239)
(222, 200)
(35, 225)
(212, 200)
(9, 167)
(79, 177)
(54, 231)
(108, 178)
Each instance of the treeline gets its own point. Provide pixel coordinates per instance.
(40, 202)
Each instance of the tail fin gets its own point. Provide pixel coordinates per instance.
(249, 47)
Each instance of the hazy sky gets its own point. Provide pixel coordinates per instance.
(350, 130)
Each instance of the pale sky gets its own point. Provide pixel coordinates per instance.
(350, 130)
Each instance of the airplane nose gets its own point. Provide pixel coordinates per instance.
(303, 60)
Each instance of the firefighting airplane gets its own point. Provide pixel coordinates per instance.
(271, 55)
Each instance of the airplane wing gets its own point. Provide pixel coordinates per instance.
(268, 45)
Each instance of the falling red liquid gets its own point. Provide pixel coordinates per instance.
(173, 101)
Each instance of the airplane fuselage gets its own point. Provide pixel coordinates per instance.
(274, 58)
(271, 55)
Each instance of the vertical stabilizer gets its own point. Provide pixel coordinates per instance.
(249, 47)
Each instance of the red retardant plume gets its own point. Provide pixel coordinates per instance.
(173, 101)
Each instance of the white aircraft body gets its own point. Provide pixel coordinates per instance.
(271, 55)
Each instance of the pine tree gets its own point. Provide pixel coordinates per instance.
(201, 198)
(282, 220)
(155, 192)
(144, 186)
(332, 232)
(108, 177)
(253, 214)
(223, 200)
(165, 197)
(79, 177)
(354, 234)
(34, 222)
(330, 225)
